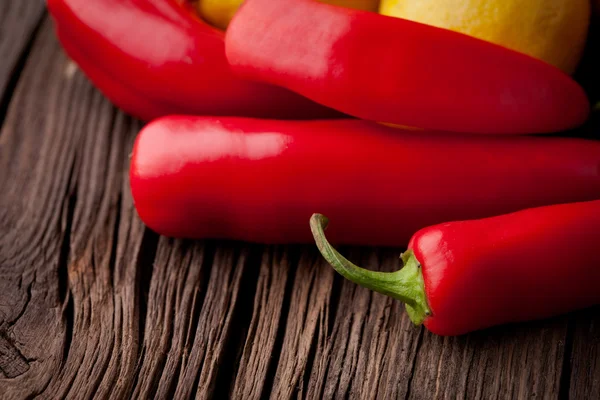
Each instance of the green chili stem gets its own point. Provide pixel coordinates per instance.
(405, 285)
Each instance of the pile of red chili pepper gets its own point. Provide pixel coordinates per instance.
(293, 112)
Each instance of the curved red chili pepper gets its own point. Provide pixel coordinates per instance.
(463, 276)
(155, 57)
(261, 180)
(393, 70)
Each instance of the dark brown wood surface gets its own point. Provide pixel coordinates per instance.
(94, 305)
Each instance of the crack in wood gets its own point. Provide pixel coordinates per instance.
(241, 319)
(67, 215)
(303, 386)
(414, 364)
(115, 238)
(216, 364)
(12, 362)
(64, 292)
(159, 311)
(288, 281)
(199, 297)
(585, 355)
(157, 389)
(145, 269)
(565, 375)
(9, 323)
(308, 306)
(264, 324)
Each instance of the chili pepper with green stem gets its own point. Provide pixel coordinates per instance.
(468, 275)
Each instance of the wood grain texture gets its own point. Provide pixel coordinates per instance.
(509, 362)
(372, 345)
(584, 363)
(34, 224)
(258, 357)
(94, 305)
(19, 21)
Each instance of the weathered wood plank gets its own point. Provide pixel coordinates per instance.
(131, 261)
(335, 342)
(18, 24)
(258, 356)
(189, 320)
(38, 154)
(101, 344)
(517, 361)
(103, 337)
(306, 326)
(64, 151)
(585, 357)
(172, 293)
(372, 347)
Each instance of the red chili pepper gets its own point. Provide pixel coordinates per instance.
(463, 276)
(261, 180)
(155, 57)
(393, 70)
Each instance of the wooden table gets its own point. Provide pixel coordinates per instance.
(93, 304)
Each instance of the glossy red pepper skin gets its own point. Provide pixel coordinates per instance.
(261, 180)
(398, 71)
(155, 57)
(524, 266)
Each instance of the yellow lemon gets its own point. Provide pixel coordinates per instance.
(220, 12)
(552, 30)
(366, 5)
